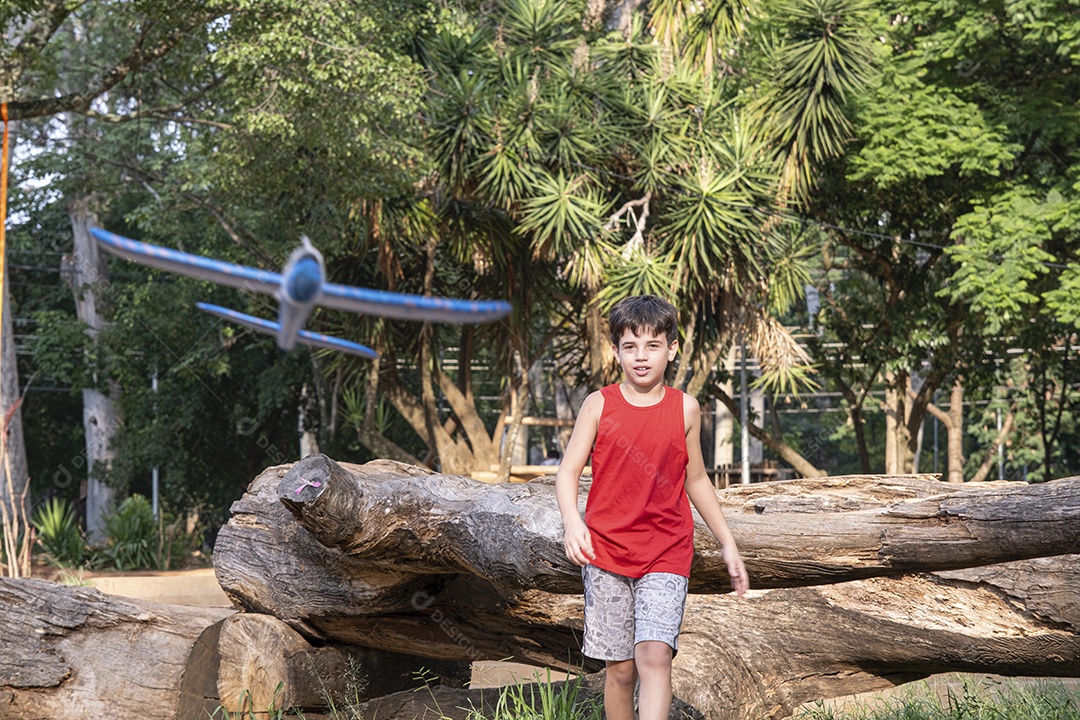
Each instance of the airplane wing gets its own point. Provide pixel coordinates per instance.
(411, 307)
(182, 263)
(304, 336)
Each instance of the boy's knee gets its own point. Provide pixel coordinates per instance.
(654, 656)
(622, 673)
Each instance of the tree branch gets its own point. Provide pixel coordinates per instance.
(138, 58)
(803, 466)
(638, 239)
(34, 40)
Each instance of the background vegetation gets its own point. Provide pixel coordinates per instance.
(879, 200)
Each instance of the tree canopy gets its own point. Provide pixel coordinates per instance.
(914, 165)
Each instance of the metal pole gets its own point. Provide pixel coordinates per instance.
(154, 471)
(935, 434)
(744, 416)
(1001, 449)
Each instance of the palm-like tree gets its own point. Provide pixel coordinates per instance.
(573, 166)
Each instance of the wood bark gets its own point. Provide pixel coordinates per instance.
(393, 557)
(511, 534)
(70, 652)
(780, 649)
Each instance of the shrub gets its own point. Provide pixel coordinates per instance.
(58, 533)
(131, 534)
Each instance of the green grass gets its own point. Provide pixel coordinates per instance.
(989, 700)
(543, 700)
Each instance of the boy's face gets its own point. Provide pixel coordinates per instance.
(644, 357)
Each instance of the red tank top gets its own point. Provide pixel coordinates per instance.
(637, 512)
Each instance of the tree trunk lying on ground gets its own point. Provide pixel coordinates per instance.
(764, 657)
(73, 652)
(390, 556)
(251, 662)
(791, 534)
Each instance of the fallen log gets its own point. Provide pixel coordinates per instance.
(250, 662)
(75, 652)
(791, 534)
(782, 648)
(392, 557)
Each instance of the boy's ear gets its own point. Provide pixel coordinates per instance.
(673, 349)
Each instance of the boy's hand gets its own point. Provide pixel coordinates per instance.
(578, 544)
(740, 581)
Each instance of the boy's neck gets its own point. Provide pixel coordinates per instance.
(642, 396)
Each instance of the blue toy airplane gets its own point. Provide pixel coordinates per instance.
(299, 288)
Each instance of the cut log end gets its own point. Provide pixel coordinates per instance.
(257, 653)
(306, 481)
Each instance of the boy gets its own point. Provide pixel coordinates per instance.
(635, 543)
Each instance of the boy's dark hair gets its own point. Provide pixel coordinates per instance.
(638, 313)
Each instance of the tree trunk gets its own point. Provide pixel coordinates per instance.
(307, 426)
(68, 652)
(14, 474)
(563, 411)
(899, 452)
(86, 271)
(261, 663)
(396, 558)
(764, 656)
(603, 369)
(366, 431)
(455, 570)
(797, 534)
(955, 436)
(953, 420)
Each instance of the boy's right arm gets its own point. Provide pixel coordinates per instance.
(576, 536)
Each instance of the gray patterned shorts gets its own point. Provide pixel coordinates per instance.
(621, 611)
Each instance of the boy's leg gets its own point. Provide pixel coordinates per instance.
(619, 689)
(659, 599)
(609, 636)
(653, 661)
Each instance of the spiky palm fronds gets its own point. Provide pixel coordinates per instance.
(642, 273)
(562, 210)
(823, 59)
(713, 227)
(791, 254)
(704, 33)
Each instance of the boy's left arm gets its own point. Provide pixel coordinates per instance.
(703, 495)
